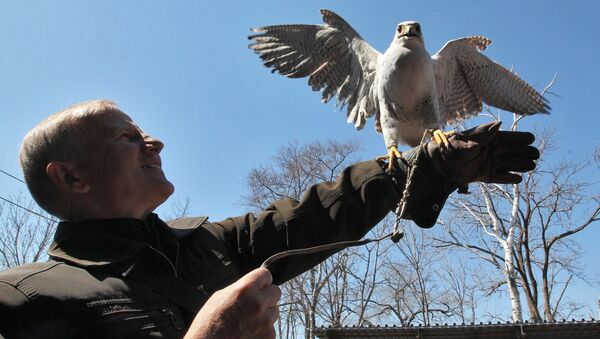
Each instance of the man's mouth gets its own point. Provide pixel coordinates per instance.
(151, 166)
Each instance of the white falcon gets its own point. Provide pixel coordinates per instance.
(406, 89)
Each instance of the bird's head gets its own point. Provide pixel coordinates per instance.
(409, 30)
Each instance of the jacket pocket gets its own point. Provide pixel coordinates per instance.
(119, 318)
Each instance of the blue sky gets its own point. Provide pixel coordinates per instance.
(183, 71)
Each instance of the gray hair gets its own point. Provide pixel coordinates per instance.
(59, 137)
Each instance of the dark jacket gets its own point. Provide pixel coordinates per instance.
(127, 277)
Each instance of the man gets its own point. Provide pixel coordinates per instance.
(117, 270)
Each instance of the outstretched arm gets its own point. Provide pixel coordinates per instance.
(346, 209)
(364, 193)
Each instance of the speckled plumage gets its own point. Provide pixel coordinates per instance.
(406, 89)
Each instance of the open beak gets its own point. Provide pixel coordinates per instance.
(409, 31)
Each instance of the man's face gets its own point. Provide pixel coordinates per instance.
(123, 167)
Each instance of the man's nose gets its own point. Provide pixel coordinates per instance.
(153, 144)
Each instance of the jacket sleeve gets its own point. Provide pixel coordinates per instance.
(329, 212)
(11, 299)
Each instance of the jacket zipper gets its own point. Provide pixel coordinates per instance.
(166, 258)
(162, 254)
(176, 323)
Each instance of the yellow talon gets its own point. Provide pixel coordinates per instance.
(442, 137)
(392, 155)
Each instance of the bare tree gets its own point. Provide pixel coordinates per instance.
(461, 291)
(523, 231)
(480, 212)
(333, 307)
(310, 286)
(290, 312)
(413, 291)
(366, 283)
(25, 232)
(293, 170)
(179, 209)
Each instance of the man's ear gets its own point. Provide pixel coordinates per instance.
(66, 178)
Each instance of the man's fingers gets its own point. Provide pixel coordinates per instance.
(273, 314)
(267, 295)
(517, 151)
(486, 154)
(260, 277)
(480, 134)
(517, 166)
(514, 138)
(516, 158)
(501, 177)
(490, 126)
(271, 295)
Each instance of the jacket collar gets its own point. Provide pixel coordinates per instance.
(105, 242)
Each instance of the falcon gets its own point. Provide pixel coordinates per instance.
(407, 90)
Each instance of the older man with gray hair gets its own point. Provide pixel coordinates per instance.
(117, 270)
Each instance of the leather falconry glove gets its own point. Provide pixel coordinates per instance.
(486, 154)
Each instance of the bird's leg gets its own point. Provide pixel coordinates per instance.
(391, 156)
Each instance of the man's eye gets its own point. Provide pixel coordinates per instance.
(130, 136)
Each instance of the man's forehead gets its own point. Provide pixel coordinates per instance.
(114, 120)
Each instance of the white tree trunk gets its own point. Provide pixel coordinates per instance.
(511, 280)
(508, 246)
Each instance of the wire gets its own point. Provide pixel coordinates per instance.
(12, 176)
(28, 210)
(25, 208)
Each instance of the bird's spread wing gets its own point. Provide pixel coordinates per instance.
(465, 78)
(334, 57)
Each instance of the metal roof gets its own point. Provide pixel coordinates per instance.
(562, 329)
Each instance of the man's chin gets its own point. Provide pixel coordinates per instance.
(167, 189)
(161, 195)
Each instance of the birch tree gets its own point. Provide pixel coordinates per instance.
(524, 232)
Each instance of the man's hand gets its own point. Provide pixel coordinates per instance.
(485, 154)
(246, 309)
